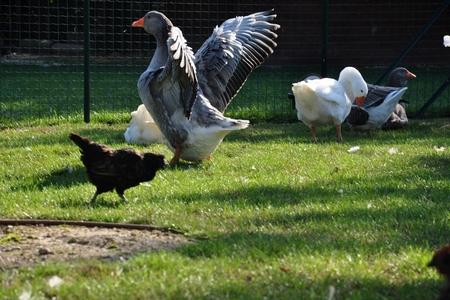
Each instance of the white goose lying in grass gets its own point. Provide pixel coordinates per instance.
(142, 128)
(328, 101)
(186, 94)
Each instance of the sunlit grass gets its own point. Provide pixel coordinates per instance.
(274, 216)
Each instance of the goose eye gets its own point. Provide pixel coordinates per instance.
(362, 91)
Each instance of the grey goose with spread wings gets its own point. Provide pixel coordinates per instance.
(186, 94)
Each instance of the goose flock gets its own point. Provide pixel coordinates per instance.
(185, 94)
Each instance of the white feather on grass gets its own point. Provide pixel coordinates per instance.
(353, 149)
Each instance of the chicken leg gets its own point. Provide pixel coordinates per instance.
(338, 133)
(94, 197)
(313, 133)
(176, 156)
(122, 196)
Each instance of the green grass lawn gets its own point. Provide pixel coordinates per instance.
(273, 216)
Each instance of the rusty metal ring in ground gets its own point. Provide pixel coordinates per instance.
(46, 222)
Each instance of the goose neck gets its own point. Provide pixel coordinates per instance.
(160, 56)
(347, 85)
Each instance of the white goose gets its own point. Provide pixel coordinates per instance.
(328, 101)
(142, 128)
(186, 94)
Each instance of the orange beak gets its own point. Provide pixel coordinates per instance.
(138, 23)
(360, 100)
(410, 75)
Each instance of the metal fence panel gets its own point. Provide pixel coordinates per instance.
(41, 44)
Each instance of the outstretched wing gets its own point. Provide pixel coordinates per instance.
(377, 94)
(175, 84)
(231, 53)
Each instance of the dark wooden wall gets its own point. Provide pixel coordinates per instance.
(360, 32)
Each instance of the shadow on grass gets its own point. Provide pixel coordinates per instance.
(293, 285)
(186, 165)
(419, 220)
(355, 233)
(106, 136)
(297, 131)
(103, 201)
(351, 231)
(99, 135)
(63, 177)
(59, 178)
(322, 191)
(265, 132)
(297, 283)
(436, 164)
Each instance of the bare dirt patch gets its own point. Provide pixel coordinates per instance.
(27, 245)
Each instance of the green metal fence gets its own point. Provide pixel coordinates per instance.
(43, 53)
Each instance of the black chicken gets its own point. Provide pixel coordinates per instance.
(441, 261)
(110, 169)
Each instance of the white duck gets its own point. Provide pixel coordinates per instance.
(186, 94)
(142, 128)
(328, 101)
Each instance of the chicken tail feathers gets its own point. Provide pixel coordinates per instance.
(80, 141)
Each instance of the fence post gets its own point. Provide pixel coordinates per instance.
(437, 14)
(87, 75)
(324, 61)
